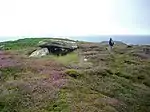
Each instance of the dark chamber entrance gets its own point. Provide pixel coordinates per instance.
(58, 50)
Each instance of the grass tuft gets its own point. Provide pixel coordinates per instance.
(73, 73)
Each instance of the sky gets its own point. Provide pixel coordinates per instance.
(36, 18)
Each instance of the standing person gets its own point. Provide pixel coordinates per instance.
(111, 43)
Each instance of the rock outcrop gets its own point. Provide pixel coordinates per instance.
(40, 52)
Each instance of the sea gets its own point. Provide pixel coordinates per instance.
(128, 39)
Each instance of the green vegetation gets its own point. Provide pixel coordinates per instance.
(73, 73)
(107, 82)
(67, 59)
(21, 44)
(61, 104)
(10, 102)
(25, 43)
(10, 72)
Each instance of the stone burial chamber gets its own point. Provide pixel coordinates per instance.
(55, 47)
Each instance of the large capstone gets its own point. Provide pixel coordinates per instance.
(58, 47)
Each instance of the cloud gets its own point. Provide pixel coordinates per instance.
(61, 18)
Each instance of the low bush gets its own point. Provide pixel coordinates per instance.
(125, 75)
(10, 72)
(99, 71)
(72, 73)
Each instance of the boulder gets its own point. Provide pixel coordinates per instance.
(85, 59)
(40, 53)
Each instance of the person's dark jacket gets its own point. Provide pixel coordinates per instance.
(111, 43)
